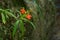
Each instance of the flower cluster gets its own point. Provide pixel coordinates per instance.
(23, 11)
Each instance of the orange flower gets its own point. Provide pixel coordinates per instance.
(28, 16)
(22, 11)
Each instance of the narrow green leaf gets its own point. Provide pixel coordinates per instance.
(29, 22)
(15, 27)
(22, 28)
(10, 14)
(7, 16)
(3, 18)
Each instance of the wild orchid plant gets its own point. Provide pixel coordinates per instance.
(24, 15)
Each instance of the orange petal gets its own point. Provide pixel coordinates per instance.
(28, 16)
(22, 11)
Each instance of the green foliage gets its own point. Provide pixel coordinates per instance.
(3, 18)
(7, 14)
(15, 27)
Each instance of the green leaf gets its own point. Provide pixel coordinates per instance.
(11, 14)
(29, 22)
(22, 28)
(15, 27)
(7, 16)
(3, 18)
